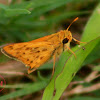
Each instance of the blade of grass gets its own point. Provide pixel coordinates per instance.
(92, 29)
(38, 7)
(3, 6)
(58, 84)
(14, 12)
(50, 20)
(71, 67)
(93, 55)
(27, 90)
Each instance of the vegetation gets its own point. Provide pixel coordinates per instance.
(74, 78)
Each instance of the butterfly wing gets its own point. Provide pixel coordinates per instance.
(31, 54)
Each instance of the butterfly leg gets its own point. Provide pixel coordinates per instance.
(71, 51)
(77, 42)
(31, 70)
(54, 60)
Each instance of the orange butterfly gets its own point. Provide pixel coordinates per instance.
(37, 52)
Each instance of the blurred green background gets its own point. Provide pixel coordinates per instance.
(26, 20)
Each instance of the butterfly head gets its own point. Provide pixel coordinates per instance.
(68, 38)
(68, 35)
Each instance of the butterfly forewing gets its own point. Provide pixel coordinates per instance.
(31, 54)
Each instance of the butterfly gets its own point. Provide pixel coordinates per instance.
(37, 52)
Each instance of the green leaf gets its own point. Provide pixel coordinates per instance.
(3, 6)
(63, 76)
(39, 3)
(49, 20)
(92, 29)
(93, 55)
(72, 65)
(13, 12)
(31, 88)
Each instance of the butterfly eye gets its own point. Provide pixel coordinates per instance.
(65, 41)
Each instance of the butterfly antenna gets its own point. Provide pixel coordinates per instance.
(72, 22)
